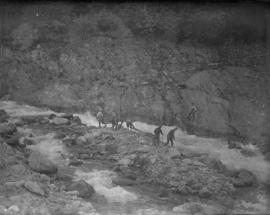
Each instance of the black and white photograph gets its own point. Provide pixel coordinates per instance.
(134, 107)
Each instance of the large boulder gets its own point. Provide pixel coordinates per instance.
(13, 140)
(244, 178)
(191, 208)
(41, 164)
(34, 187)
(3, 116)
(84, 189)
(59, 121)
(7, 129)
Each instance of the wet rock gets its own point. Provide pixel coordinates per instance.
(85, 190)
(29, 141)
(65, 173)
(32, 119)
(3, 116)
(164, 193)
(77, 120)
(244, 178)
(13, 209)
(69, 141)
(85, 156)
(13, 140)
(51, 116)
(197, 208)
(123, 181)
(59, 121)
(68, 116)
(34, 187)
(75, 163)
(19, 183)
(7, 129)
(41, 164)
(81, 140)
(18, 170)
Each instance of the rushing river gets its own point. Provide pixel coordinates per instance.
(122, 201)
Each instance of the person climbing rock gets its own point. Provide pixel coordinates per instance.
(100, 118)
(171, 137)
(114, 120)
(129, 124)
(192, 112)
(157, 133)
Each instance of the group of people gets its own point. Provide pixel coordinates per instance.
(115, 121)
(117, 124)
(170, 136)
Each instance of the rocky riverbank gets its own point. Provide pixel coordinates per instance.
(46, 160)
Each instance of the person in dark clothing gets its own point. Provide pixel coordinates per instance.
(100, 118)
(157, 133)
(192, 112)
(129, 124)
(114, 120)
(171, 137)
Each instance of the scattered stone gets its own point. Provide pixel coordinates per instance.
(59, 121)
(85, 190)
(41, 164)
(69, 141)
(85, 156)
(3, 116)
(244, 178)
(65, 173)
(34, 187)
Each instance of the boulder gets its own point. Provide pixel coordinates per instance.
(68, 116)
(75, 163)
(123, 181)
(3, 116)
(7, 129)
(32, 119)
(85, 190)
(191, 208)
(41, 164)
(51, 116)
(14, 140)
(77, 120)
(81, 140)
(17, 170)
(244, 178)
(34, 187)
(65, 173)
(59, 121)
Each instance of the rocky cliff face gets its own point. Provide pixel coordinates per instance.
(78, 60)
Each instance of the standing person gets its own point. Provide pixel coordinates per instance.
(157, 133)
(114, 120)
(100, 118)
(192, 112)
(129, 124)
(171, 137)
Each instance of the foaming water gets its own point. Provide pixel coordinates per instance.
(14, 109)
(49, 146)
(101, 180)
(216, 148)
